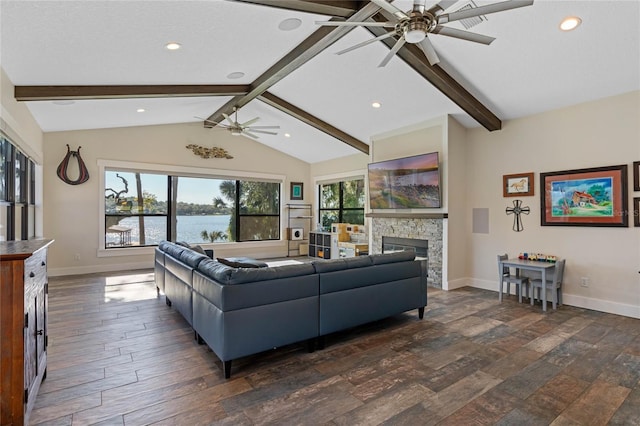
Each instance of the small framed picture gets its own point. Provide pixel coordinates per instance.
(636, 175)
(296, 191)
(517, 185)
(636, 212)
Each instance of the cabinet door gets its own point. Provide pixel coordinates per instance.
(40, 329)
(30, 345)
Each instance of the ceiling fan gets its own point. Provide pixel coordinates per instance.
(236, 128)
(416, 25)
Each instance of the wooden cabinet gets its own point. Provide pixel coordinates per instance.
(23, 326)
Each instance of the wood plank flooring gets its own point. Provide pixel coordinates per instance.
(119, 356)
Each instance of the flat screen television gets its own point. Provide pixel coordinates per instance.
(405, 183)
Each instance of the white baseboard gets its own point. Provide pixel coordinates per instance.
(92, 269)
(600, 305)
(454, 284)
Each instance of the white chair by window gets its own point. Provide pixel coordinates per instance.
(506, 277)
(554, 285)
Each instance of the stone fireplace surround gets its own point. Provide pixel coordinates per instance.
(407, 225)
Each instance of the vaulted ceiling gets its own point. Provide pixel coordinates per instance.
(92, 64)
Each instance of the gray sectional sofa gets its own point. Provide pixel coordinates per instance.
(244, 311)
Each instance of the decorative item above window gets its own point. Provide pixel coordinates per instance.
(213, 152)
(83, 174)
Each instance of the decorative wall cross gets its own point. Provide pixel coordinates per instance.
(516, 211)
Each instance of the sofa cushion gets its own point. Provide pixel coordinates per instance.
(191, 258)
(215, 270)
(242, 262)
(398, 256)
(332, 265)
(174, 250)
(249, 275)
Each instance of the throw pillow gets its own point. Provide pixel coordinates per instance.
(241, 262)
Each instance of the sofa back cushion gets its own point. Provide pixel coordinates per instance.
(229, 276)
(398, 256)
(322, 266)
(192, 258)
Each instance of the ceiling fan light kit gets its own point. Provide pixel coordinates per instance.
(415, 25)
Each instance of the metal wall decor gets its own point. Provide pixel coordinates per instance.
(63, 168)
(213, 152)
(516, 211)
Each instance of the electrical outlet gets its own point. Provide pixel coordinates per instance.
(584, 282)
(76, 256)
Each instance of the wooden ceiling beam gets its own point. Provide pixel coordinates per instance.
(447, 85)
(48, 93)
(52, 93)
(305, 117)
(322, 38)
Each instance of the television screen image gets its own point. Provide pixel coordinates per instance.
(405, 183)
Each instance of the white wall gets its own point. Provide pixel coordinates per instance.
(595, 134)
(72, 212)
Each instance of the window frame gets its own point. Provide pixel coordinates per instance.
(340, 178)
(180, 171)
(19, 172)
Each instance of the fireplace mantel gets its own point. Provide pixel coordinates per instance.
(408, 215)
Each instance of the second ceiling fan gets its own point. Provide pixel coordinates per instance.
(415, 25)
(236, 128)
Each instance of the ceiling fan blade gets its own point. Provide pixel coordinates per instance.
(429, 51)
(390, 8)
(251, 135)
(355, 24)
(364, 43)
(247, 123)
(464, 35)
(392, 52)
(483, 10)
(441, 6)
(228, 119)
(212, 122)
(263, 127)
(263, 131)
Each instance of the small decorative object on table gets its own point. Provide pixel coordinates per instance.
(538, 256)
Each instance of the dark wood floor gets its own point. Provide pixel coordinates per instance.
(118, 355)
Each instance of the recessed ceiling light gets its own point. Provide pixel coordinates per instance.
(376, 104)
(570, 23)
(172, 46)
(235, 75)
(290, 24)
(64, 102)
(141, 110)
(287, 135)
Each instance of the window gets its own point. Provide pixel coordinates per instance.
(136, 209)
(17, 193)
(142, 209)
(342, 202)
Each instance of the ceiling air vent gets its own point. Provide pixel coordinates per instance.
(471, 22)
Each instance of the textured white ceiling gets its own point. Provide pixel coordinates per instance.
(531, 67)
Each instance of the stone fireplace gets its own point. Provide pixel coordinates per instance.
(424, 227)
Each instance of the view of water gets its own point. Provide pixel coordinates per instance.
(189, 229)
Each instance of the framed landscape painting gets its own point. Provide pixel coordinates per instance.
(585, 197)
